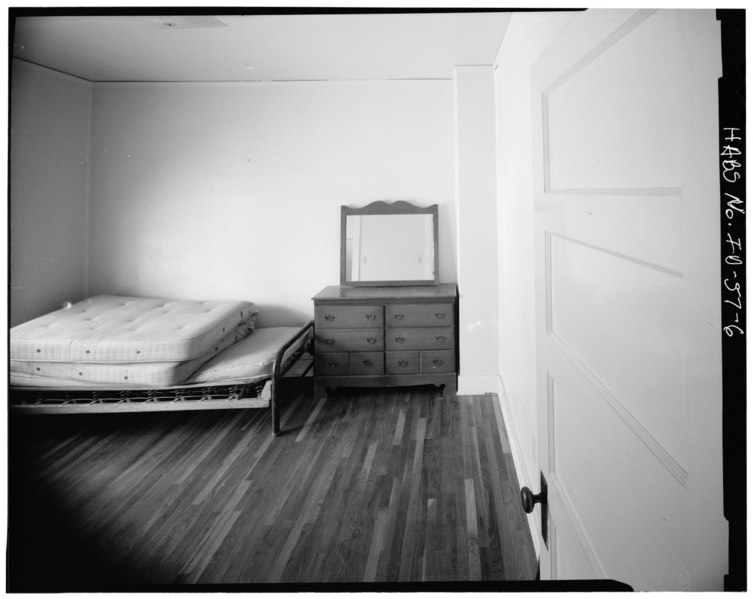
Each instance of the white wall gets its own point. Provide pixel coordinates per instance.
(528, 35)
(478, 252)
(49, 149)
(234, 190)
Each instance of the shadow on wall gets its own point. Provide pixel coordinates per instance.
(281, 316)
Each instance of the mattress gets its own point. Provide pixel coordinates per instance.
(110, 328)
(127, 374)
(135, 374)
(248, 360)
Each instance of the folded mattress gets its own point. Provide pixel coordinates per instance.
(250, 359)
(111, 328)
(127, 374)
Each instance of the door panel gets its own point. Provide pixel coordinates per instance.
(627, 275)
(635, 70)
(572, 561)
(591, 472)
(598, 219)
(637, 357)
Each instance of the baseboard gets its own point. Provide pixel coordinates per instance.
(479, 385)
(521, 472)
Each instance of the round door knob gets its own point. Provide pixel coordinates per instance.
(529, 500)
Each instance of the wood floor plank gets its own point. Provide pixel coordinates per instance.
(376, 547)
(310, 511)
(479, 474)
(365, 485)
(471, 523)
(412, 537)
(500, 545)
(387, 558)
(330, 530)
(358, 499)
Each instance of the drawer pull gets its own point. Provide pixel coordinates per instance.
(372, 340)
(331, 364)
(368, 362)
(329, 317)
(371, 316)
(438, 362)
(400, 339)
(399, 316)
(440, 315)
(441, 338)
(328, 341)
(403, 363)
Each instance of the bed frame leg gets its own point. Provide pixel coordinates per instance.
(275, 416)
(276, 424)
(269, 393)
(305, 334)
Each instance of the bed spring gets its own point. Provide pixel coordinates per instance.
(61, 397)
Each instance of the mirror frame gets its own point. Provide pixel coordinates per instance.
(387, 208)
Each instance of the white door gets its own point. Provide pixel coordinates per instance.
(628, 314)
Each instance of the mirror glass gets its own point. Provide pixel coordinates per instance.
(389, 244)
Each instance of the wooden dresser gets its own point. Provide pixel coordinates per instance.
(385, 337)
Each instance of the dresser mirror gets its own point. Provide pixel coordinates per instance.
(387, 244)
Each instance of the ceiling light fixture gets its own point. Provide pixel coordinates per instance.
(185, 21)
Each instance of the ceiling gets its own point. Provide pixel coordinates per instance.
(260, 47)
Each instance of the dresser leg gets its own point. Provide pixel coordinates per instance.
(449, 389)
(320, 391)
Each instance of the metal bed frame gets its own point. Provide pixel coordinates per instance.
(259, 393)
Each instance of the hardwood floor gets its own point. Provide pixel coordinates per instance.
(366, 486)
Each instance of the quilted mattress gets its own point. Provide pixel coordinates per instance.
(116, 329)
(128, 374)
(248, 360)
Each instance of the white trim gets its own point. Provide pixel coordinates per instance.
(53, 72)
(470, 68)
(503, 42)
(479, 385)
(269, 83)
(87, 199)
(456, 173)
(521, 471)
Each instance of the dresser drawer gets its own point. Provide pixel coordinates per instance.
(419, 315)
(367, 363)
(346, 317)
(334, 340)
(332, 364)
(437, 361)
(419, 338)
(402, 362)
